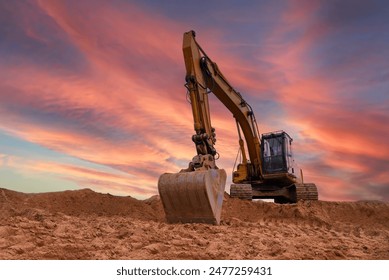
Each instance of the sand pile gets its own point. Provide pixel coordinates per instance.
(87, 225)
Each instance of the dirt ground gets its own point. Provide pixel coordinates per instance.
(84, 224)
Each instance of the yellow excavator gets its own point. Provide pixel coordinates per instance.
(195, 194)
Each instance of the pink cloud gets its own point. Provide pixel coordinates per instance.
(126, 108)
(103, 181)
(339, 133)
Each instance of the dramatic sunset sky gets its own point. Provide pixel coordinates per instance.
(92, 92)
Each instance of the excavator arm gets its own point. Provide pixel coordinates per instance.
(203, 76)
(205, 137)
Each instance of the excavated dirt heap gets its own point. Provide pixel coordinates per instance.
(84, 224)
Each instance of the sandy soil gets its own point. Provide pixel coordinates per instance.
(87, 225)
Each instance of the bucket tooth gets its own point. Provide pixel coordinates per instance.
(193, 197)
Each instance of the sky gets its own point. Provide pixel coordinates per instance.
(92, 92)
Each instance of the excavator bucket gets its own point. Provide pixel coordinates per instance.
(193, 197)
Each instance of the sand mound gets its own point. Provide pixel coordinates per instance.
(76, 203)
(84, 224)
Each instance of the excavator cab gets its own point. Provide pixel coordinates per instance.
(277, 153)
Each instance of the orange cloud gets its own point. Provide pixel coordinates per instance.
(107, 87)
(116, 181)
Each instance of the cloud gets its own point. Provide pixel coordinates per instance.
(330, 100)
(111, 112)
(100, 180)
(105, 85)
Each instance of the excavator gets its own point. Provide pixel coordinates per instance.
(267, 171)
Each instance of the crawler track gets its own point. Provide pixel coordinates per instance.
(242, 191)
(306, 192)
